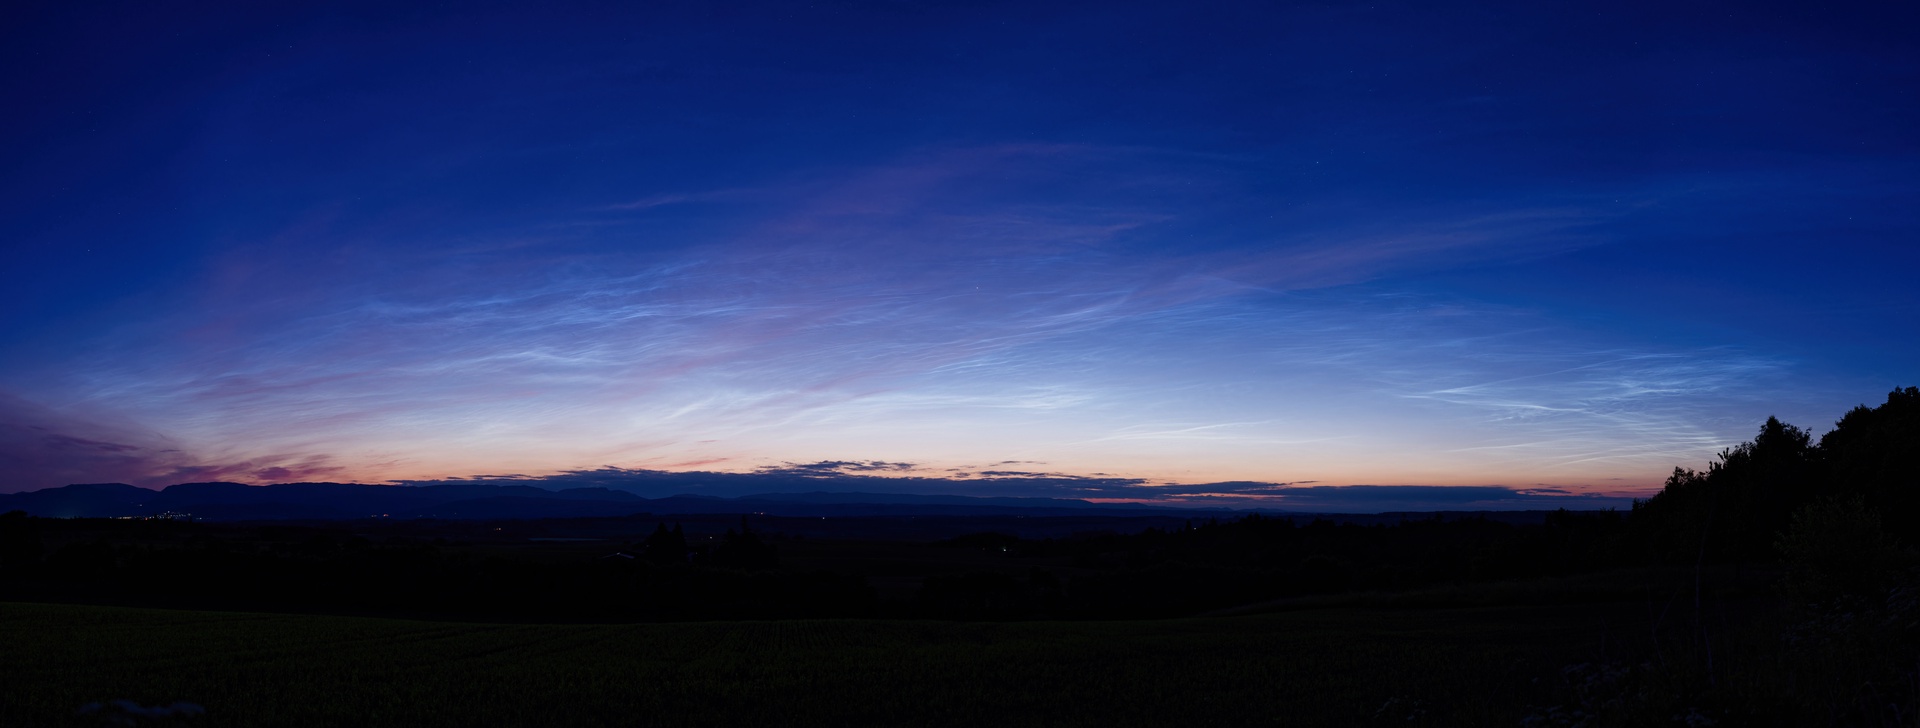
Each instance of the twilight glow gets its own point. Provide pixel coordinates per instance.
(1552, 249)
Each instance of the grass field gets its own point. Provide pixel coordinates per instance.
(1481, 666)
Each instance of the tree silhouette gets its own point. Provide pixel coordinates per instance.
(1742, 505)
(1761, 483)
(1836, 549)
(744, 550)
(1874, 452)
(667, 547)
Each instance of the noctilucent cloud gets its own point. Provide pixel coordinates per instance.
(1553, 247)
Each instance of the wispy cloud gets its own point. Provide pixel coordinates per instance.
(1581, 408)
(1419, 240)
(932, 310)
(679, 198)
(41, 446)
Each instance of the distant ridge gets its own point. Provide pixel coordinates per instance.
(221, 501)
(918, 499)
(84, 500)
(339, 501)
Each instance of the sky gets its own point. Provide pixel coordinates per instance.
(1551, 250)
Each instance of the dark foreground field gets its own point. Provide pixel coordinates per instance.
(1464, 666)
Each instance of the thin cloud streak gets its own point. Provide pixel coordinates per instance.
(898, 314)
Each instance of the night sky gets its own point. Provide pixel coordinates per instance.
(1541, 246)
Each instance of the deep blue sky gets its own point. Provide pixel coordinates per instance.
(1528, 245)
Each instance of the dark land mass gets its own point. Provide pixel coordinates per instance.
(1775, 587)
(724, 566)
(1343, 666)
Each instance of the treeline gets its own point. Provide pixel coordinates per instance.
(1827, 512)
(1828, 509)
